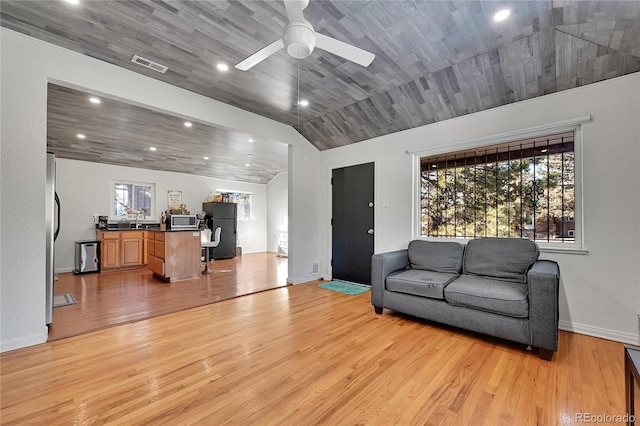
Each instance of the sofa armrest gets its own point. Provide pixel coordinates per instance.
(544, 280)
(382, 264)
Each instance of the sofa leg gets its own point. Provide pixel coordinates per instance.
(545, 354)
(377, 309)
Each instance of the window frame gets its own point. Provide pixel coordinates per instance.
(150, 215)
(574, 125)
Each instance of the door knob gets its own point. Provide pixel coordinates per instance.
(370, 231)
(370, 203)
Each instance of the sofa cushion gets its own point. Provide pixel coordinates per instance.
(419, 282)
(500, 297)
(437, 256)
(506, 259)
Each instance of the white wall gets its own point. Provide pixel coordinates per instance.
(27, 66)
(304, 212)
(600, 291)
(85, 188)
(277, 209)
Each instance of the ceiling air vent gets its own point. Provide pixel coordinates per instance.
(149, 64)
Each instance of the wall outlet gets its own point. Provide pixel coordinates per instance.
(94, 215)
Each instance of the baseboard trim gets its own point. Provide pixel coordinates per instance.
(23, 342)
(302, 280)
(603, 333)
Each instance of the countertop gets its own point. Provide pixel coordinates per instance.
(146, 228)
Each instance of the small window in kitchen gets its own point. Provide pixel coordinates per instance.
(242, 199)
(133, 198)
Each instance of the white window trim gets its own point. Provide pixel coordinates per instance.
(149, 217)
(575, 125)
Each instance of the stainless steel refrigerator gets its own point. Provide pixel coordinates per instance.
(52, 220)
(225, 216)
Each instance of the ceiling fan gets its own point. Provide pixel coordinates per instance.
(300, 39)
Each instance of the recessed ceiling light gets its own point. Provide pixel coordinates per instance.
(81, 136)
(248, 165)
(303, 103)
(222, 67)
(74, 2)
(250, 140)
(153, 148)
(501, 15)
(94, 100)
(187, 124)
(206, 158)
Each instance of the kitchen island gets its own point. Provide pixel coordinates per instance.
(174, 255)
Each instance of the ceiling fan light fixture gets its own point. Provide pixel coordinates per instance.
(299, 39)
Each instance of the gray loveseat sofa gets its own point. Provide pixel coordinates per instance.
(495, 286)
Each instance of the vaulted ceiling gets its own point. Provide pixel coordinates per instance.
(435, 60)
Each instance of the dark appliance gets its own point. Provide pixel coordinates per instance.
(103, 222)
(52, 220)
(87, 257)
(224, 216)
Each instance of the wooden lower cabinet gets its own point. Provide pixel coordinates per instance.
(110, 250)
(121, 249)
(132, 243)
(156, 265)
(175, 255)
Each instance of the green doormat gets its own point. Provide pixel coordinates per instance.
(346, 288)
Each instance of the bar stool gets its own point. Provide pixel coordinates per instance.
(207, 244)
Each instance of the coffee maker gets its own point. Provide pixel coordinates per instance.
(102, 222)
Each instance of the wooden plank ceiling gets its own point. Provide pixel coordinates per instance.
(435, 60)
(122, 134)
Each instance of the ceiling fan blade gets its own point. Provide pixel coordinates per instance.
(261, 55)
(294, 10)
(344, 50)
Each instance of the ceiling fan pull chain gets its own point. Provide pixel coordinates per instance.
(298, 95)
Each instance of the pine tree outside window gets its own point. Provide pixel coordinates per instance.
(522, 189)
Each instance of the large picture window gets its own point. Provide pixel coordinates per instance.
(133, 198)
(520, 189)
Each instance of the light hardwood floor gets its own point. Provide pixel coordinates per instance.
(111, 298)
(301, 355)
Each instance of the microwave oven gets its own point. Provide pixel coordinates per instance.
(182, 221)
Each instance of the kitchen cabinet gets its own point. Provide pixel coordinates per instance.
(109, 250)
(174, 255)
(121, 249)
(132, 243)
